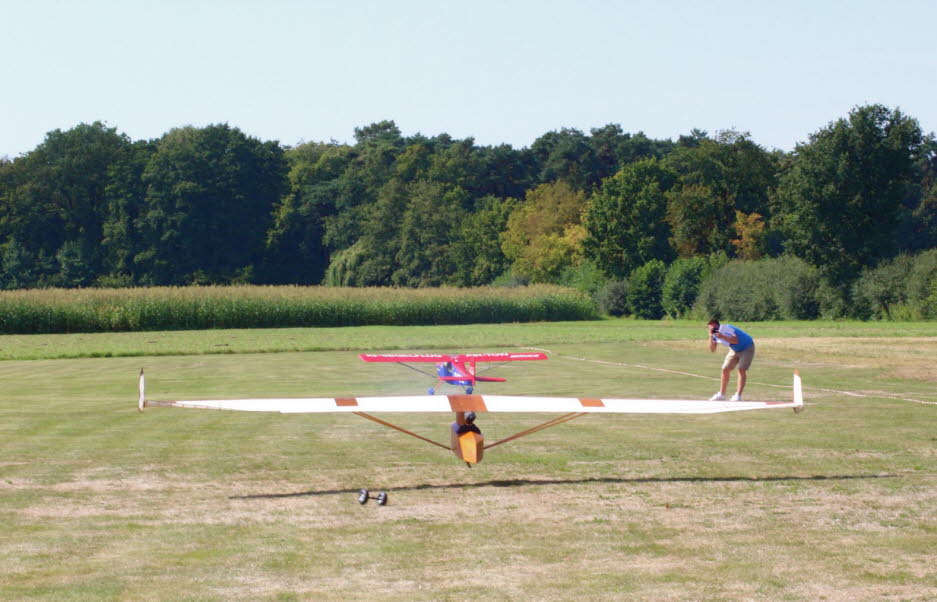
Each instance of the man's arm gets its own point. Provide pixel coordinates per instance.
(729, 337)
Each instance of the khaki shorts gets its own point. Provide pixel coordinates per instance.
(742, 359)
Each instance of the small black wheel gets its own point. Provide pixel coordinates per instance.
(382, 498)
(468, 390)
(363, 497)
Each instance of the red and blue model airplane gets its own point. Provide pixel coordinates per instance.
(457, 370)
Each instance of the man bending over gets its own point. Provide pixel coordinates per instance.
(741, 353)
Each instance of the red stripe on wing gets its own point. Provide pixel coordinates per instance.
(499, 357)
(403, 357)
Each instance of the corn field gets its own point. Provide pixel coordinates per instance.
(42, 311)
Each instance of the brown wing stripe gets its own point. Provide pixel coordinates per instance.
(591, 403)
(346, 402)
(467, 403)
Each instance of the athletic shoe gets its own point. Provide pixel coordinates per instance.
(718, 397)
(736, 397)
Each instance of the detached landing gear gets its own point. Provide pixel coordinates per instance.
(364, 495)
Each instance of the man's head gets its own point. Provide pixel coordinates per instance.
(713, 325)
(469, 417)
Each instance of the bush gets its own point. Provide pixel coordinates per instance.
(732, 292)
(771, 289)
(834, 301)
(586, 278)
(644, 290)
(879, 290)
(899, 289)
(681, 285)
(612, 298)
(922, 285)
(929, 305)
(794, 285)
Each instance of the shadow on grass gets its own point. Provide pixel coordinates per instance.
(603, 480)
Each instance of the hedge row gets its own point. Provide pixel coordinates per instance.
(193, 308)
(784, 288)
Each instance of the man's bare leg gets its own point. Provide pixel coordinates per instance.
(724, 384)
(743, 374)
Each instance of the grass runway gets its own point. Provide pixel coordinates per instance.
(99, 502)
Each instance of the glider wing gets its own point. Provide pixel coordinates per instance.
(481, 403)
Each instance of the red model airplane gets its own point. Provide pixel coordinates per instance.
(458, 370)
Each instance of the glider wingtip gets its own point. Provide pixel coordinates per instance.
(141, 403)
(798, 393)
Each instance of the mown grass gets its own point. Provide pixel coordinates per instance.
(43, 311)
(278, 340)
(100, 502)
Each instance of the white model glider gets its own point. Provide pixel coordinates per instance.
(468, 444)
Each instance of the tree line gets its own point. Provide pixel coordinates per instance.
(91, 207)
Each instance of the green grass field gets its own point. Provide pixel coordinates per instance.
(98, 501)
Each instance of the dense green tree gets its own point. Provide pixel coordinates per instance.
(566, 155)
(508, 173)
(839, 203)
(614, 149)
(476, 250)
(717, 177)
(700, 220)
(371, 166)
(681, 285)
(694, 139)
(125, 195)
(645, 284)
(296, 252)
(625, 220)
(381, 238)
(55, 202)
(606, 143)
(210, 193)
(918, 214)
(457, 164)
(414, 162)
(90, 207)
(17, 266)
(426, 232)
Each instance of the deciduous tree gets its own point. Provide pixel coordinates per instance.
(839, 203)
(625, 220)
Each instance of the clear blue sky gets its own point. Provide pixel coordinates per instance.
(501, 71)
